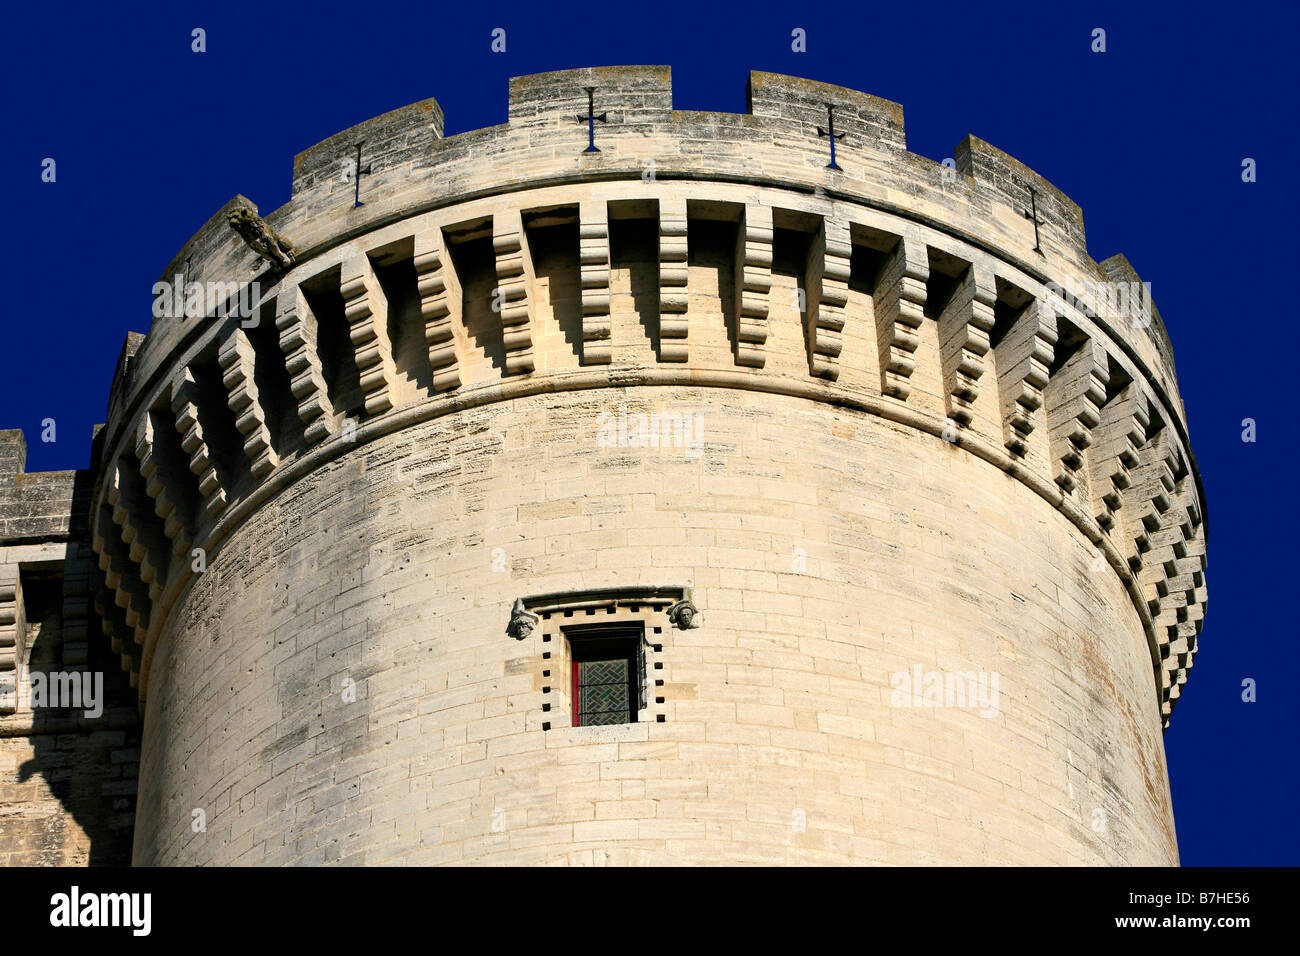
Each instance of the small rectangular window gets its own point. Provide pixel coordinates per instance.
(608, 676)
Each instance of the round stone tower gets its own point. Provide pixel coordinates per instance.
(629, 485)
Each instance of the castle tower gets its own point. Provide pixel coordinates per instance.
(629, 485)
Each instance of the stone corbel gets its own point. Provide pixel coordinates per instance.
(684, 615)
(522, 621)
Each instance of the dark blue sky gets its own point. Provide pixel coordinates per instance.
(1148, 138)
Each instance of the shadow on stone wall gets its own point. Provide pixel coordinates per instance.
(87, 765)
(69, 795)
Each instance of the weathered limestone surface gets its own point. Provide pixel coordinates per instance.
(67, 782)
(915, 553)
(896, 447)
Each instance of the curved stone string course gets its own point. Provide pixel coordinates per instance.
(882, 420)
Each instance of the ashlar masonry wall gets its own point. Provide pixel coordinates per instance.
(920, 458)
(829, 552)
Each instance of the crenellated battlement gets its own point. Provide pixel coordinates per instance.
(700, 250)
(389, 139)
(413, 168)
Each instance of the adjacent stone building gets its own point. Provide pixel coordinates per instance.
(618, 485)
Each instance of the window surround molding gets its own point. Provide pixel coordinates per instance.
(555, 619)
(677, 602)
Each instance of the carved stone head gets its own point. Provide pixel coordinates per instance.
(684, 614)
(244, 222)
(522, 621)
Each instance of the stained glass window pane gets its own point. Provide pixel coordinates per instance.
(603, 691)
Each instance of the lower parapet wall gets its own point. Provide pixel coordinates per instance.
(339, 684)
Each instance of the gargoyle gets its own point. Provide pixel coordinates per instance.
(262, 239)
